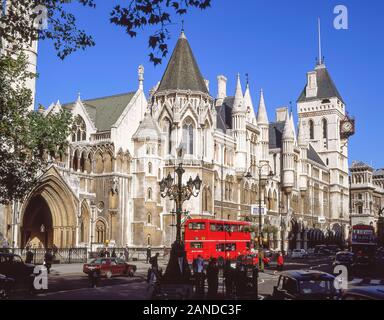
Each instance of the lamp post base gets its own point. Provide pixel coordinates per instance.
(176, 282)
(177, 271)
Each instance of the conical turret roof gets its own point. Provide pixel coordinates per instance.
(262, 116)
(182, 72)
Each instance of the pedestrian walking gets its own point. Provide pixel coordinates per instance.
(113, 255)
(122, 256)
(280, 262)
(29, 256)
(48, 259)
(240, 280)
(154, 261)
(228, 278)
(198, 272)
(107, 253)
(212, 278)
(255, 279)
(149, 251)
(94, 278)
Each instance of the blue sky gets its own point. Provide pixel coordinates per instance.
(274, 41)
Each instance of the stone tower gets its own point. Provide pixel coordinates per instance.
(320, 109)
(239, 114)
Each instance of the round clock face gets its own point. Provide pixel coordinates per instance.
(347, 127)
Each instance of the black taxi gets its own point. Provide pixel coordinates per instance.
(305, 285)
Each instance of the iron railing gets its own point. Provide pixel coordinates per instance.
(81, 255)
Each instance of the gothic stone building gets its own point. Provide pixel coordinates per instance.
(367, 193)
(105, 188)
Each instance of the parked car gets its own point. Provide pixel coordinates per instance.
(333, 249)
(6, 286)
(13, 266)
(311, 251)
(305, 285)
(109, 267)
(299, 254)
(344, 258)
(364, 293)
(379, 256)
(319, 249)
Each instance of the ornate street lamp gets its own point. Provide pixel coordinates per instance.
(177, 271)
(262, 181)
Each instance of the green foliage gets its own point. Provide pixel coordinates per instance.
(160, 13)
(26, 138)
(22, 23)
(267, 229)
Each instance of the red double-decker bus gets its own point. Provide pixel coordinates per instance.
(216, 238)
(364, 243)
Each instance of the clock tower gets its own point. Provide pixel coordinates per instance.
(327, 127)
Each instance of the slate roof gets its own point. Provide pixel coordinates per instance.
(326, 87)
(314, 156)
(359, 164)
(105, 111)
(276, 130)
(148, 129)
(182, 72)
(379, 172)
(224, 114)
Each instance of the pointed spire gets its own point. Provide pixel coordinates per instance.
(140, 73)
(262, 116)
(238, 103)
(78, 96)
(248, 103)
(288, 130)
(320, 58)
(293, 125)
(182, 72)
(301, 138)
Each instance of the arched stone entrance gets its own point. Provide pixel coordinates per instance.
(37, 224)
(48, 216)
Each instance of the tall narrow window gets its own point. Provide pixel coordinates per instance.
(167, 130)
(149, 218)
(149, 193)
(311, 130)
(79, 130)
(188, 136)
(100, 231)
(325, 129)
(150, 167)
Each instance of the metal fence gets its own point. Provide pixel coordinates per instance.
(81, 255)
(60, 255)
(133, 254)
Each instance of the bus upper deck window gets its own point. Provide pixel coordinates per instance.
(196, 226)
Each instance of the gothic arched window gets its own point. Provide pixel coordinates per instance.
(100, 231)
(149, 194)
(150, 167)
(311, 130)
(79, 130)
(167, 129)
(149, 218)
(188, 131)
(325, 129)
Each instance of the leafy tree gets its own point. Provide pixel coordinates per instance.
(27, 139)
(27, 20)
(141, 13)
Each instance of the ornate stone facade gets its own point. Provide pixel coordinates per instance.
(105, 187)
